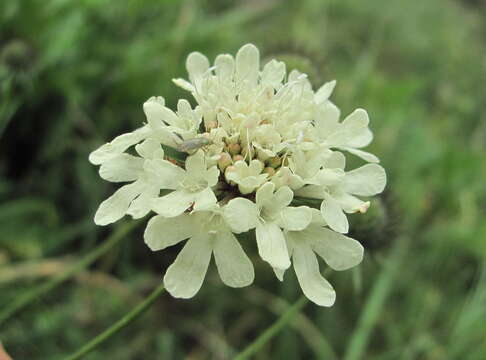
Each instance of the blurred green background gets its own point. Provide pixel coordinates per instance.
(74, 74)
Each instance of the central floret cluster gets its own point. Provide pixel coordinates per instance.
(257, 143)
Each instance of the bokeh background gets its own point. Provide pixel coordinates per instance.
(74, 74)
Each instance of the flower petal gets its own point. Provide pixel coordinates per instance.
(164, 173)
(149, 149)
(122, 167)
(334, 216)
(247, 64)
(273, 73)
(340, 252)
(195, 164)
(197, 65)
(240, 214)
(118, 145)
(315, 287)
(312, 191)
(271, 245)
(325, 91)
(185, 276)
(162, 232)
(282, 198)
(295, 218)
(173, 204)
(366, 180)
(113, 208)
(204, 200)
(225, 66)
(234, 266)
(279, 273)
(362, 154)
(141, 206)
(265, 193)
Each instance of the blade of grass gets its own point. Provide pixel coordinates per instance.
(38, 291)
(273, 330)
(120, 324)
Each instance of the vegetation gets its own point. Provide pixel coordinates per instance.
(74, 74)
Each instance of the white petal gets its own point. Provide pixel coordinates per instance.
(337, 160)
(164, 173)
(357, 119)
(141, 206)
(327, 177)
(234, 266)
(367, 180)
(350, 203)
(195, 164)
(334, 216)
(315, 287)
(352, 130)
(123, 167)
(174, 203)
(240, 214)
(247, 63)
(279, 273)
(149, 149)
(158, 115)
(255, 167)
(197, 65)
(271, 245)
(340, 252)
(364, 139)
(113, 208)
(162, 232)
(225, 66)
(212, 176)
(204, 200)
(265, 193)
(327, 119)
(324, 91)
(312, 191)
(295, 218)
(184, 84)
(282, 197)
(362, 154)
(273, 73)
(118, 145)
(185, 276)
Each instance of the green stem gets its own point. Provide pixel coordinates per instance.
(273, 330)
(120, 324)
(38, 291)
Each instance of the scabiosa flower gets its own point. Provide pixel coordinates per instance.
(257, 141)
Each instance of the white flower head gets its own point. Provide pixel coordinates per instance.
(257, 141)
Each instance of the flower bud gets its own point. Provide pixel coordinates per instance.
(269, 170)
(234, 149)
(224, 161)
(274, 162)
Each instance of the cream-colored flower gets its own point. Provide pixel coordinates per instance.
(248, 176)
(338, 251)
(257, 140)
(192, 186)
(208, 233)
(133, 199)
(339, 194)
